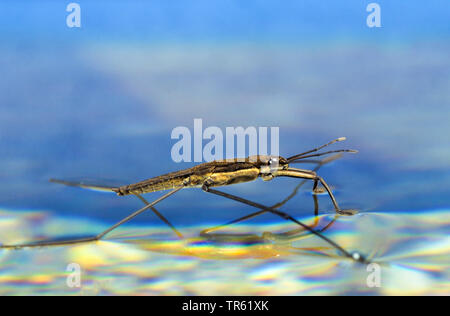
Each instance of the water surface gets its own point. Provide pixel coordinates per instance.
(101, 101)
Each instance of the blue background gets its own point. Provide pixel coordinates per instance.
(102, 100)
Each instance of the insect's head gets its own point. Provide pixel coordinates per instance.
(270, 165)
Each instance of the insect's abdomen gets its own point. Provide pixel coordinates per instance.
(150, 187)
(161, 183)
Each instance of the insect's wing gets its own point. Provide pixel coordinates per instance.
(91, 184)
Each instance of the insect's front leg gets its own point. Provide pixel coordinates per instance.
(333, 199)
(316, 189)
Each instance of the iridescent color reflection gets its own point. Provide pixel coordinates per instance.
(412, 250)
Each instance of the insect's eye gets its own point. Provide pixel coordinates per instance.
(272, 161)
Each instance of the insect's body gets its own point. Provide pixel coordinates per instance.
(214, 174)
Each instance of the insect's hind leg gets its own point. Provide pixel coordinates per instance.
(95, 238)
(138, 212)
(161, 217)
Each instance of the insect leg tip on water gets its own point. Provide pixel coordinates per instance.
(359, 257)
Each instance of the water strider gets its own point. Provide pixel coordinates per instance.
(215, 174)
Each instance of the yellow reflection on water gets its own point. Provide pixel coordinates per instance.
(412, 250)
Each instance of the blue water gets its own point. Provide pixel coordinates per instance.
(101, 101)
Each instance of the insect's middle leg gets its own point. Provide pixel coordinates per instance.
(207, 231)
(296, 234)
(285, 216)
(290, 236)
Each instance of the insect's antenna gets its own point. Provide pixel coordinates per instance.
(340, 139)
(324, 153)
